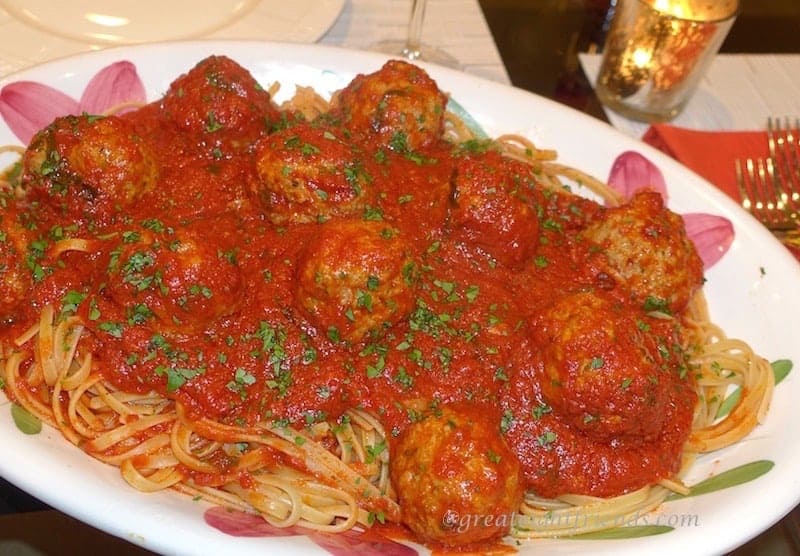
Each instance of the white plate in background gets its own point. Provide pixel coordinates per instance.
(36, 31)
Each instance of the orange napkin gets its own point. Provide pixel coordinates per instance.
(709, 153)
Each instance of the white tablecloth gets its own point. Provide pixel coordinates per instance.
(456, 26)
(739, 91)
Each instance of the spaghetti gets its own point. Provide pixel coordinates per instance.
(257, 317)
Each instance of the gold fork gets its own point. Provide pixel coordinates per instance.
(764, 196)
(770, 187)
(783, 150)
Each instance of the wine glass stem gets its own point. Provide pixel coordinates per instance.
(413, 40)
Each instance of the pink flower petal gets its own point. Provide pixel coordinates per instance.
(27, 107)
(240, 524)
(712, 236)
(364, 544)
(370, 543)
(631, 172)
(113, 85)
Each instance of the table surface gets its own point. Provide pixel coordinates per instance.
(533, 45)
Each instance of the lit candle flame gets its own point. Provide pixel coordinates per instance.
(677, 9)
(641, 57)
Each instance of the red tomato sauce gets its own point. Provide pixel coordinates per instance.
(191, 288)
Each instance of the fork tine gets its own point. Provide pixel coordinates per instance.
(747, 203)
(756, 174)
(782, 143)
(777, 154)
(779, 195)
(760, 190)
(769, 198)
(793, 162)
(749, 187)
(771, 139)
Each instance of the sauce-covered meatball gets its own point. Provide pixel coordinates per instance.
(354, 278)
(308, 174)
(602, 368)
(456, 479)
(492, 207)
(399, 106)
(647, 249)
(89, 164)
(173, 280)
(221, 103)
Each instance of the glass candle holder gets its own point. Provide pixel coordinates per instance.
(656, 52)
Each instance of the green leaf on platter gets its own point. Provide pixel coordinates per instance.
(780, 368)
(26, 422)
(732, 477)
(467, 118)
(729, 403)
(631, 532)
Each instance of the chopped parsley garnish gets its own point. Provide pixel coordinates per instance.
(374, 451)
(154, 225)
(70, 302)
(373, 214)
(333, 334)
(399, 142)
(241, 380)
(375, 370)
(403, 378)
(35, 254)
(94, 312)
(212, 124)
(131, 237)
(656, 304)
(177, 376)
(541, 410)
(379, 516)
(112, 328)
(546, 438)
(506, 421)
(139, 314)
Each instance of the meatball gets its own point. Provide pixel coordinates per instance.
(601, 367)
(646, 249)
(89, 164)
(399, 106)
(492, 210)
(221, 103)
(15, 276)
(173, 280)
(306, 174)
(456, 478)
(354, 279)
